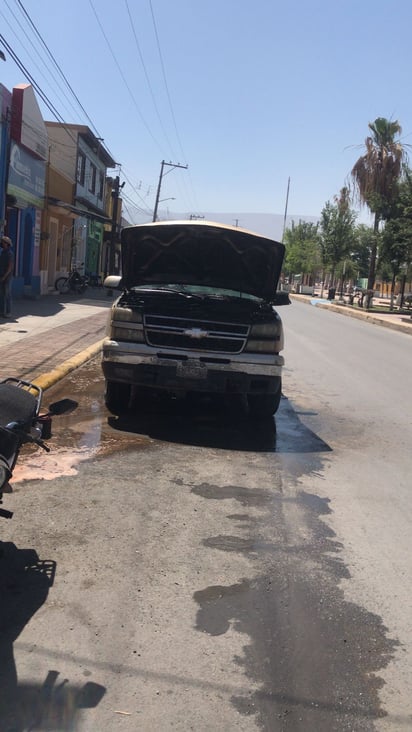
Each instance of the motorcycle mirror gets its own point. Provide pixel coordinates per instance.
(63, 406)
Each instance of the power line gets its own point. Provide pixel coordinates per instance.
(50, 106)
(149, 85)
(53, 59)
(165, 80)
(170, 102)
(134, 189)
(171, 166)
(42, 94)
(123, 77)
(34, 61)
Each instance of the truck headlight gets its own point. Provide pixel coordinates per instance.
(126, 333)
(266, 337)
(126, 315)
(126, 325)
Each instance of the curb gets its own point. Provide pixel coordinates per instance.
(45, 381)
(345, 310)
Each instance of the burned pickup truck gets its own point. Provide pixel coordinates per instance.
(196, 313)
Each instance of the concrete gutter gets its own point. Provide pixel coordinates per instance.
(45, 381)
(394, 322)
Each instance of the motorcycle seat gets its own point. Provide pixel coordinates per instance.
(17, 405)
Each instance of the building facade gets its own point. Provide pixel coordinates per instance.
(24, 143)
(78, 157)
(57, 202)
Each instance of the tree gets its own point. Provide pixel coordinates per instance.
(362, 247)
(336, 231)
(396, 252)
(376, 174)
(302, 253)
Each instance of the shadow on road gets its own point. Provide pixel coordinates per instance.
(24, 585)
(210, 423)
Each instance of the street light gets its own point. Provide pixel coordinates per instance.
(155, 218)
(172, 166)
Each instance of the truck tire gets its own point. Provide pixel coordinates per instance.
(117, 397)
(264, 405)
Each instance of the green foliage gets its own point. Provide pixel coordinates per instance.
(376, 172)
(396, 239)
(302, 250)
(365, 238)
(336, 231)
(376, 175)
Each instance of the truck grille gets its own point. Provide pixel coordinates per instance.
(192, 334)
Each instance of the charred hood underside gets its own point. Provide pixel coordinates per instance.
(201, 253)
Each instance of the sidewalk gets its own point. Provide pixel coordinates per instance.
(48, 337)
(394, 320)
(45, 338)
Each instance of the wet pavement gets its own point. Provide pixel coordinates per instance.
(232, 595)
(222, 571)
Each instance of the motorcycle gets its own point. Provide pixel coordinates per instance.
(74, 282)
(22, 422)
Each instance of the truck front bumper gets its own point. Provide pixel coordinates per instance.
(141, 365)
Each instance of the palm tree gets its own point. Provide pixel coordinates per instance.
(376, 174)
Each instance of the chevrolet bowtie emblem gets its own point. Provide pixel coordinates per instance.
(196, 333)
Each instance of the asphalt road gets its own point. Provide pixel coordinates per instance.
(351, 384)
(184, 569)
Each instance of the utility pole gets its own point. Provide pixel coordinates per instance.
(172, 165)
(114, 231)
(286, 210)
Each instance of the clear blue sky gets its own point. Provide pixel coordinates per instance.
(247, 94)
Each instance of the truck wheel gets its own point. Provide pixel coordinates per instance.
(117, 397)
(264, 405)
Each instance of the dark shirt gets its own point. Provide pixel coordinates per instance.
(6, 257)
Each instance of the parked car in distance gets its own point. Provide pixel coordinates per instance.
(196, 313)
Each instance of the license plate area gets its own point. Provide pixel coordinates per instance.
(191, 370)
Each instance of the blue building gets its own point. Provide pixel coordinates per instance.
(23, 172)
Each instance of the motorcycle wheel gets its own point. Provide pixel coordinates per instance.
(62, 285)
(81, 287)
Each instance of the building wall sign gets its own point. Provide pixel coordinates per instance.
(26, 178)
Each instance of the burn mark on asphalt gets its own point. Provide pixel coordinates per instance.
(313, 658)
(245, 496)
(231, 543)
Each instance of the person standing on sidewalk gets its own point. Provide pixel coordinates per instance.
(6, 274)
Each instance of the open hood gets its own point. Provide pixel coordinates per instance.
(201, 253)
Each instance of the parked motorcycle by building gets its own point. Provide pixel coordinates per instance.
(22, 422)
(73, 282)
